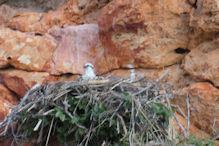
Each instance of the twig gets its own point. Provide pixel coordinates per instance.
(28, 92)
(37, 125)
(50, 129)
(108, 93)
(188, 109)
(180, 111)
(123, 124)
(48, 112)
(97, 82)
(61, 94)
(163, 75)
(41, 133)
(181, 126)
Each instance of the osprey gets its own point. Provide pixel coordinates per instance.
(89, 72)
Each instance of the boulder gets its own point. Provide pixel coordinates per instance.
(7, 95)
(4, 108)
(192, 129)
(41, 22)
(36, 22)
(203, 62)
(24, 51)
(36, 5)
(5, 14)
(20, 81)
(77, 45)
(146, 34)
(47, 5)
(204, 22)
(205, 16)
(73, 12)
(204, 105)
(27, 22)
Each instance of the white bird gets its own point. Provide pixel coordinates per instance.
(89, 72)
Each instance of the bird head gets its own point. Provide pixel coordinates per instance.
(87, 65)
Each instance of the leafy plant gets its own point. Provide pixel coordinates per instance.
(59, 113)
(204, 141)
(163, 112)
(119, 112)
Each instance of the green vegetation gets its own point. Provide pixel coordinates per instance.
(205, 141)
(118, 112)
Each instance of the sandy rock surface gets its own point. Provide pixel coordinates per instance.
(24, 51)
(20, 81)
(203, 62)
(147, 34)
(204, 105)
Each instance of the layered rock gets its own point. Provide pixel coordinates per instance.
(204, 22)
(6, 13)
(7, 95)
(36, 5)
(147, 34)
(192, 129)
(20, 81)
(175, 76)
(67, 14)
(206, 16)
(73, 12)
(134, 38)
(24, 51)
(203, 62)
(4, 108)
(204, 105)
(76, 46)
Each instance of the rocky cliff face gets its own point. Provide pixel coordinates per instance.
(52, 40)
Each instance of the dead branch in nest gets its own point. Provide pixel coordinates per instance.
(133, 105)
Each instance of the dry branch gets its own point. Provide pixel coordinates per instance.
(114, 95)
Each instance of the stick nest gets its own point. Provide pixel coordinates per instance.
(115, 111)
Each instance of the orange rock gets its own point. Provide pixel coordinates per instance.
(202, 62)
(204, 20)
(30, 20)
(192, 129)
(4, 108)
(70, 13)
(20, 81)
(147, 34)
(24, 51)
(76, 46)
(41, 22)
(206, 16)
(5, 13)
(37, 22)
(176, 76)
(204, 105)
(7, 95)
